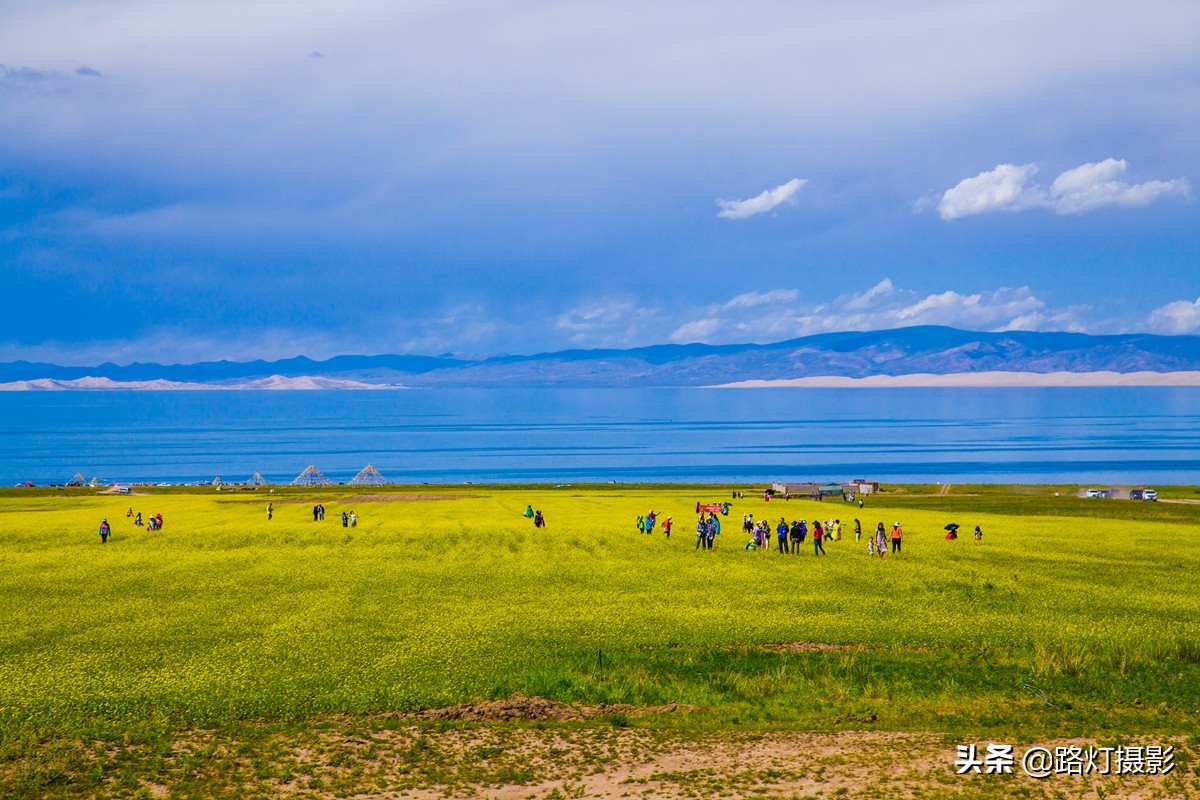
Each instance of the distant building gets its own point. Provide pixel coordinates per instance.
(862, 486)
(795, 488)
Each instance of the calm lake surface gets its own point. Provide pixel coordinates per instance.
(1085, 435)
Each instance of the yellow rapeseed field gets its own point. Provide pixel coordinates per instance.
(441, 595)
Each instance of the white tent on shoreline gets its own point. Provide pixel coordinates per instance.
(311, 477)
(368, 476)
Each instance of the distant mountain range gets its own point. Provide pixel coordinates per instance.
(905, 351)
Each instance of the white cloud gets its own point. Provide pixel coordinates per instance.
(1001, 189)
(883, 306)
(699, 330)
(1083, 188)
(751, 299)
(1181, 316)
(769, 199)
(1094, 185)
(864, 301)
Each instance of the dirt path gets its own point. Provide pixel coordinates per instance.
(542, 757)
(944, 489)
(506, 763)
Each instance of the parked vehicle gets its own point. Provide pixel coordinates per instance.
(1143, 494)
(1093, 493)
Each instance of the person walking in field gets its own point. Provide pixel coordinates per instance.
(641, 524)
(321, 508)
(701, 533)
(345, 520)
(353, 520)
(781, 533)
(857, 530)
(270, 511)
(529, 511)
(978, 534)
(104, 531)
(316, 513)
(818, 534)
(538, 520)
(897, 537)
(667, 527)
(880, 541)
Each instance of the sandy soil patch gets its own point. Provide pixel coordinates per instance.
(979, 379)
(506, 762)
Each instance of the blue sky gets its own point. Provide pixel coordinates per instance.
(194, 180)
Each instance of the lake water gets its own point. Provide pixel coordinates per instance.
(1102, 436)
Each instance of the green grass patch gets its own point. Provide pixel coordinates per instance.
(1073, 618)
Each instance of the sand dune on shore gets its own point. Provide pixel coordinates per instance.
(978, 380)
(303, 382)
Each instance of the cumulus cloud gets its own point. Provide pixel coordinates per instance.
(760, 204)
(1083, 188)
(882, 306)
(1001, 189)
(1181, 316)
(1094, 185)
(751, 299)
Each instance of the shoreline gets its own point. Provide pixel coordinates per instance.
(998, 379)
(978, 380)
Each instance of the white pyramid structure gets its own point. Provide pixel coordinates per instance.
(256, 480)
(78, 480)
(311, 477)
(368, 476)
